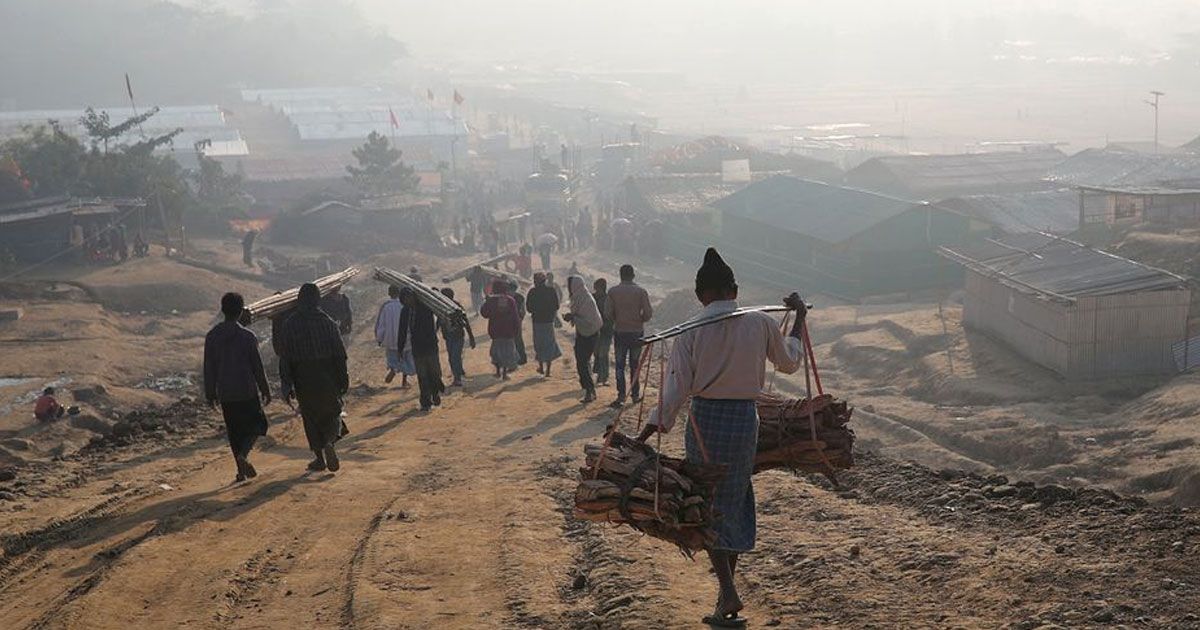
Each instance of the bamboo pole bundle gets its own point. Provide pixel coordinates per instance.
(629, 483)
(495, 273)
(786, 439)
(441, 305)
(273, 305)
(486, 263)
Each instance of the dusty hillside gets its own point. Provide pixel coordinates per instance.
(460, 518)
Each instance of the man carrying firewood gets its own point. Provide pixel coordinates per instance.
(721, 366)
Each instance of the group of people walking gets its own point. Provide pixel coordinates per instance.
(603, 319)
(718, 367)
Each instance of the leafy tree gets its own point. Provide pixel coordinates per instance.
(218, 190)
(101, 130)
(13, 185)
(380, 170)
(50, 158)
(54, 162)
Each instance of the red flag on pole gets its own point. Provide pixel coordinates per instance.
(128, 86)
(429, 94)
(458, 98)
(392, 115)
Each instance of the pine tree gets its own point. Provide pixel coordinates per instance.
(380, 170)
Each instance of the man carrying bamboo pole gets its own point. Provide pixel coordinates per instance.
(314, 371)
(721, 366)
(456, 334)
(419, 327)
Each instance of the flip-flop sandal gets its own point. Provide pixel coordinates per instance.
(726, 621)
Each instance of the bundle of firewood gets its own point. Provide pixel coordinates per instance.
(786, 437)
(665, 497)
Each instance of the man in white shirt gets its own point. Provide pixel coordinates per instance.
(721, 366)
(387, 334)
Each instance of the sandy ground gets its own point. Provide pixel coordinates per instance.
(460, 518)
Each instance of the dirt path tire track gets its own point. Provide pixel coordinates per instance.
(354, 568)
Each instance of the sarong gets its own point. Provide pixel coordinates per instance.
(504, 353)
(245, 422)
(401, 362)
(729, 433)
(320, 403)
(545, 344)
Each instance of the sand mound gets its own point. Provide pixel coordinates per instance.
(677, 307)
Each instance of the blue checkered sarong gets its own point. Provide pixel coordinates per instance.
(729, 432)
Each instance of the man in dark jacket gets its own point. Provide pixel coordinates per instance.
(337, 306)
(419, 325)
(234, 378)
(314, 371)
(542, 303)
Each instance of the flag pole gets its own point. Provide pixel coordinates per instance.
(133, 105)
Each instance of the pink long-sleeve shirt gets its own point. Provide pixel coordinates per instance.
(724, 361)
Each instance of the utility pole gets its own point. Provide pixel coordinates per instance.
(1154, 104)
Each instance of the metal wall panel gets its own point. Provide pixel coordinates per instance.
(1095, 337)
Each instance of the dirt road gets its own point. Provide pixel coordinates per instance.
(460, 519)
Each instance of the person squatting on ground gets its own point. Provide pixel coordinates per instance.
(453, 332)
(419, 327)
(47, 408)
(542, 303)
(721, 367)
(628, 306)
(387, 325)
(235, 379)
(314, 366)
(500, 310)
(586, 318)
(605, 339)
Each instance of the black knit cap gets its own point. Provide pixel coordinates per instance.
(714, 274)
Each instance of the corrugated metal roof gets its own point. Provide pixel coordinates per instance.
(345, 113)
(1054, 211)
(199, 122)
(829, 213)
(1109, 167)
(927, 175)
(1059, 268)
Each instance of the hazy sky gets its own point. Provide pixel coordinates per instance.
(619, 27)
